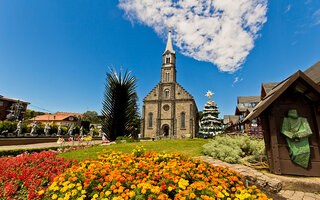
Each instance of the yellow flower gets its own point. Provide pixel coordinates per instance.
(108, 193)
(54, 196)
(41, 192)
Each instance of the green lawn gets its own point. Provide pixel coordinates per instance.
(191, 147)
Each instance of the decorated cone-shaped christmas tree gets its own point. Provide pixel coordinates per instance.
(210, 124)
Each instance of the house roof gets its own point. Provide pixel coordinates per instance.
(314, 72)
(277, 91)
(231, 118)
(267, 87)
(58, 116)
(248, 99)
(241, 109)
(12, 99)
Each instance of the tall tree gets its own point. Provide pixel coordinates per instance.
(120, 108)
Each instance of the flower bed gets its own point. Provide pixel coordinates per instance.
(149, 176)
(23, 176)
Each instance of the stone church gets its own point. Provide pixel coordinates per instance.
(169, 110)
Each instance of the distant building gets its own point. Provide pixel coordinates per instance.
(14, 109)
(169, 110)
(231, 122)
(63, 118)
(244, 103)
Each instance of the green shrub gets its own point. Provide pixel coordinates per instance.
(15, 152)
(96, 131)
(233, 149)
(145, 138)
(127, 139)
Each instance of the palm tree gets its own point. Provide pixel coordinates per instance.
(120, 108)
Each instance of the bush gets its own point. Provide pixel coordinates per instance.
(233, 149)
(127, 139)
(15, 152)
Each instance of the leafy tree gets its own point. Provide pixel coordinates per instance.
(91, 116)
(31, 114)
(120, 110)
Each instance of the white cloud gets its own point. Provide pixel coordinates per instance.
(316, 17)
(218, 31)
(307, 1)
(288, 8)
(236, 79)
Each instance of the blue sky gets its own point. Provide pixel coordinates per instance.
(55, 54)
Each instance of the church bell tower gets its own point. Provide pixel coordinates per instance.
(168, 70)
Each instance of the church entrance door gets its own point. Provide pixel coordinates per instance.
(165, 130)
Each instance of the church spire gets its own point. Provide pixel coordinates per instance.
(169, 47)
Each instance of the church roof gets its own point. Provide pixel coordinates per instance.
(169, 47)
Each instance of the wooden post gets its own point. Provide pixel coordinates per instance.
(274, 142)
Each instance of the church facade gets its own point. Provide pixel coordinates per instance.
(169, 110)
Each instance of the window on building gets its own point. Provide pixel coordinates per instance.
(150, 116)
(167, 60)
(183, 120)
(166, 93)
(167, 76)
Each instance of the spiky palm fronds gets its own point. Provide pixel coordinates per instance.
(119, 105)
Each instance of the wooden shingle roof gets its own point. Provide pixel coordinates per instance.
(266, 88)
(277, 91)
(314, 73)
(231, 118)
(248, 99)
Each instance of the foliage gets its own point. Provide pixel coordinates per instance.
(92, 117)
(15, 152)
(23, 176)
(233, 149)
(200, 115)
(127, 139)
(6, 125)
(149, 176)
(120, 109)
(31, 114)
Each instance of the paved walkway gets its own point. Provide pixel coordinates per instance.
(281, 186)
(41, 145)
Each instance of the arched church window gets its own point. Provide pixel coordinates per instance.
(166, 93)
(150, 116)
(167, 60)
(167, 76)
(183, 120)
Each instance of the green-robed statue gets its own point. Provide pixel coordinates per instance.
(297, 129)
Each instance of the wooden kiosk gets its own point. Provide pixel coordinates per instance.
(297, 92)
